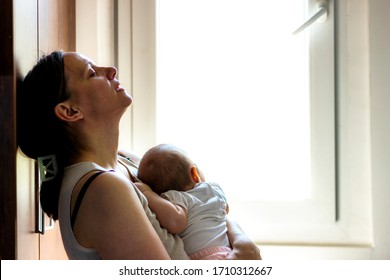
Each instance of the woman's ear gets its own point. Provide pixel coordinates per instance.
(64, 111)
(194, 174)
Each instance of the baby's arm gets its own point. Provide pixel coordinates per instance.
(171, 216)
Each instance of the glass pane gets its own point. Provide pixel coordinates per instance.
(232, 90)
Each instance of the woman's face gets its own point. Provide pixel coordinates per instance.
(94, 90)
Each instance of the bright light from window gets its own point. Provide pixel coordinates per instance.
(232, 90)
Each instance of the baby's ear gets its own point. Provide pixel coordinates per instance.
(64, 111)
(194, 174)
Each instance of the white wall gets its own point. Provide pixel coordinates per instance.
(95, 25)
(96, 38)
(379, 27)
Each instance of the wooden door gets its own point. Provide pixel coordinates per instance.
(35, 27)
(7, 135)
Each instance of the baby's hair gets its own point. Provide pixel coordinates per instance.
(165, 167)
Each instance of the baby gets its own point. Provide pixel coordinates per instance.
(184, 203)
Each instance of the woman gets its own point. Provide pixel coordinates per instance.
(69, 111)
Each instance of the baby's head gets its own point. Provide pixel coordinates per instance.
(166, 167)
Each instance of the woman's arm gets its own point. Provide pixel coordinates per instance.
(112, 220)
(243, 247)
(171, 216)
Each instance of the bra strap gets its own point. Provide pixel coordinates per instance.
(81, 196)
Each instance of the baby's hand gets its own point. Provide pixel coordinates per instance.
(142, 187)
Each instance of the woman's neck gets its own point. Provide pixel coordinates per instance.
(99, 145)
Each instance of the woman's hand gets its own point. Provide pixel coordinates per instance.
(243, 247)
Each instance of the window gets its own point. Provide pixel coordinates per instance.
(250, 102)
(226, 82)
(313, 215)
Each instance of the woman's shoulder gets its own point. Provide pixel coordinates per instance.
(80, 169)
(103, 189)
(108, 193)
(111, 185)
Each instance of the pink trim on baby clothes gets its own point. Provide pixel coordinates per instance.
(212, 253)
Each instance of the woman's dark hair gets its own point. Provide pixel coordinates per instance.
(40, 132)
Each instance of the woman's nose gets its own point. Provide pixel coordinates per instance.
(111, 73)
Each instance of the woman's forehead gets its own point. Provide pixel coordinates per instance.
(76, 58)
(75, 62)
